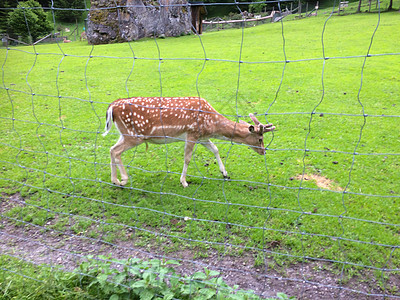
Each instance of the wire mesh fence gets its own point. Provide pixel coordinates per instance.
(316, 216)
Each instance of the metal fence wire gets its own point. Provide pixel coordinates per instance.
(264, 229)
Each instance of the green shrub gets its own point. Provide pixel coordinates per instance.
(153, 279)
(29, 21)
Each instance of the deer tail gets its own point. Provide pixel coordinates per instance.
(109, 120)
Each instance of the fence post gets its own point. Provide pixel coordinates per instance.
(5, 41)
(300, 8)
(77, 29)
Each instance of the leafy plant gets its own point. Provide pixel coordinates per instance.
(132, 278)
(106, 278)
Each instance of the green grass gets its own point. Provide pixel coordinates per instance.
(54, 156)
(24, 280)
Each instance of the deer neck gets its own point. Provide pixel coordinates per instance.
(228, 130)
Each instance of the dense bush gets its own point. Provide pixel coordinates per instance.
(29, 21)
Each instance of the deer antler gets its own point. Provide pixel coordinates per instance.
(254, 119)
(263, 128)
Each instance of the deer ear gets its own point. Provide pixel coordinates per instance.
(251, 128)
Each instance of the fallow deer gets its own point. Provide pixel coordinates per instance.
(83, 36)
(166, 120)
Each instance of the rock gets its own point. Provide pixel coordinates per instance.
(136, 19)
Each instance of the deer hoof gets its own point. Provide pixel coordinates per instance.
(116, 182)
(123, 182)
(185, 184)
(120, 183)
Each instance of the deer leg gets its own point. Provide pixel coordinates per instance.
(189, 146)
(123, 144)
(210, 146)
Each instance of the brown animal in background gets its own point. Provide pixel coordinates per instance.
(66, 41)
(166, 120)
(83, 36)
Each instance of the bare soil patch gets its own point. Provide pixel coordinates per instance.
(321, 181)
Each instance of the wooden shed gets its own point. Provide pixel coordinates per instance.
(198, 12)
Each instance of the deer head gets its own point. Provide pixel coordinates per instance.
(255, 138)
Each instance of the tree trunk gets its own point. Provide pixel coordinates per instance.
(359, 6)
(390, 7)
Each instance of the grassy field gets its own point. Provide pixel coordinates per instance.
(274, 207)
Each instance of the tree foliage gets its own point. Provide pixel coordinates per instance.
(29, 21)
(257, 7)
(69, 9)
(44, 3)
(6, 5)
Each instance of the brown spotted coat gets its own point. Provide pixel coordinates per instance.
(165, 120)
